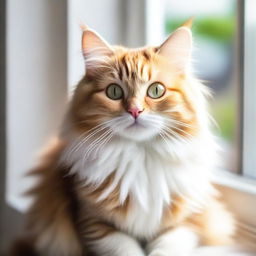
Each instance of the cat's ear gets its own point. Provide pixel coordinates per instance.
(178, 46)
(94, 48)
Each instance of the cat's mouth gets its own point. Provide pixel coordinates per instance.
(138, 129)
(136, 124)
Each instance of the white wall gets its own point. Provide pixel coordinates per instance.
(36, 84)
(104, 16)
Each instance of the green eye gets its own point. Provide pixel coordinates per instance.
(114, 92)
(156, 90)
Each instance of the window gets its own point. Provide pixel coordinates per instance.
(36, 87)
(249, 128)
(215, 60)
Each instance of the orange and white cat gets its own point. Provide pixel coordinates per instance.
(129, 173)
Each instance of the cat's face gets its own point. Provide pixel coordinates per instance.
(136, 94)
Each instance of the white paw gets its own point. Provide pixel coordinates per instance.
(158, 253)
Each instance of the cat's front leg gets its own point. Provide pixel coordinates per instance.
(177, 242)
(115, 244)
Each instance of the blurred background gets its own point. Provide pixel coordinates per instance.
(215, 62)
(41, 62)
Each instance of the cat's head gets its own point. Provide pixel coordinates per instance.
(138, 94)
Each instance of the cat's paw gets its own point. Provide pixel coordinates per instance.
(158, 253)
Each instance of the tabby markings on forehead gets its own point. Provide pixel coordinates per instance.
(135, 70)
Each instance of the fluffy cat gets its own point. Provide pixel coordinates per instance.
(129, 173)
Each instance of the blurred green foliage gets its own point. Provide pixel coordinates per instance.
(216, 28)
(220, 29)
(223, 111)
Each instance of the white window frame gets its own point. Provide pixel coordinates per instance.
(155, 19)
(36, 87)
(249, 92)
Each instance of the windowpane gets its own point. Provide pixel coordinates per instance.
(249, 118)
(215, 61)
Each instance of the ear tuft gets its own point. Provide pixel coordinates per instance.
(94, 47)
(83, 26)
(92, 43)
(188, 23)
(178, 46)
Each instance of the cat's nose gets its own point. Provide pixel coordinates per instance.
(135, 111)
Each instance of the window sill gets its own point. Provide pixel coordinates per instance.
(235, 181)
(239, 194)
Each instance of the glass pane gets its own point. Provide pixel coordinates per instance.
(249, 93)
(214, 30)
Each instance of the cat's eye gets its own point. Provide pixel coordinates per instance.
(114, 92)
(156, 90)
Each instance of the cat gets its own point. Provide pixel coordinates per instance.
(130, 171)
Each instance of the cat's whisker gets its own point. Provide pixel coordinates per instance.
(92, 132)
(95, 143)
(174, 135)
(171, 136)
(174, 130)
(178, 135)
(105, 137)
(174, 121)
(100, 144)
(106, 123)
(78, 145)
(181, 123)
(163, 136)
(177, 128)
(104, 142)
(168, 120)
(169, 129)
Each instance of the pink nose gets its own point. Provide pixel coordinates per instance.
(135, 111)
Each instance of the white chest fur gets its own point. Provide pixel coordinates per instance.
(150, 173)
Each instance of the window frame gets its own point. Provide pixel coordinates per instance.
(249, 90)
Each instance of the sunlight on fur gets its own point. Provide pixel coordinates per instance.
(130, 171)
